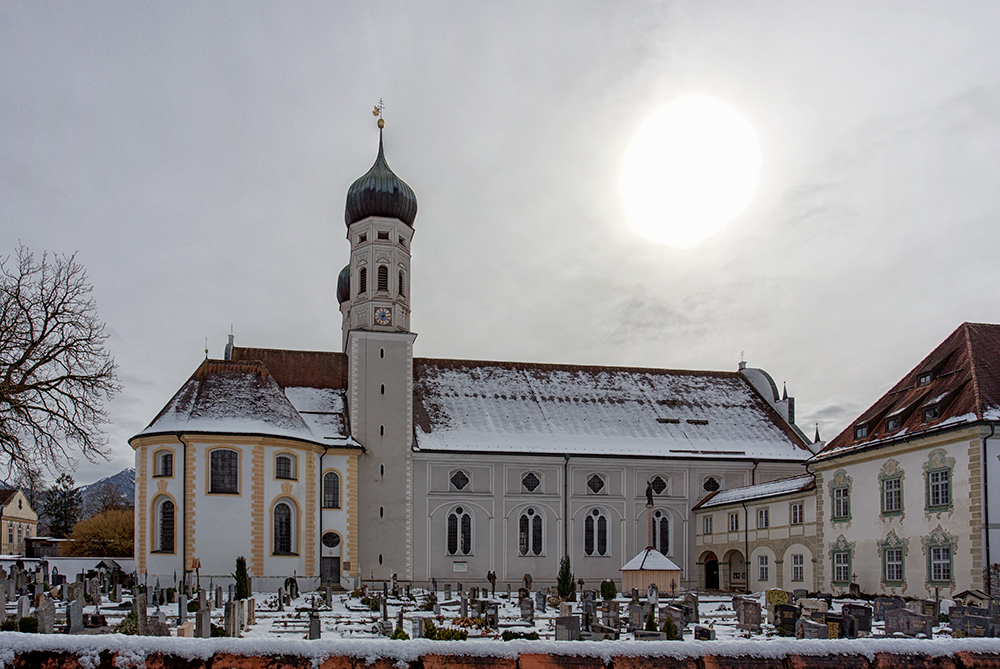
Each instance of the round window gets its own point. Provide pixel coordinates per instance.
(331, 539)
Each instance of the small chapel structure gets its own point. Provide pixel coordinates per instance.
(372, 463)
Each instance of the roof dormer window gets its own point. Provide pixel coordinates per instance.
(932, 412)
(924, 379)
(860, 431)
(892, 423)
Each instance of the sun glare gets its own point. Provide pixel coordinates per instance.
(691, 168)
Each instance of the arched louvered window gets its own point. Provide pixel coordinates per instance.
(363, 281)
(283, 526)
(595, 533)
(402, 291)
(331, 491)
(383, 277)
(530, 533)
(165, 520)
(459, 532)
(661, 532)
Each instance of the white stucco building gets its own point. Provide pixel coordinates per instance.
(374, 462)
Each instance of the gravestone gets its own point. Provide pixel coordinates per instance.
(957, 613)
(653, 594)
(527, 610)
(785, 617)
(931, 607)
(590, 608)
(3, 605)
(158, 625)
(182, 609)
(74, 617)
(474, 593)
(75, 592)
(635, 595)
(526, 582)
(885, 604)
(691, 600)
(704, 633)
(808, 629)
(447, 591)
(540, 602)
(45, 612)
(677, 614)
(810, 605)
(748, 615)
(314, 628)
(906, 622)
(973, 626)
(835, 626)
(567, 628)
(229, 619)
(862, 616)
(95, 593)
(185, 630)
(203, 623)
(636, 620)
(826, 597)
(437, 609)
(281, 599)
(139, 608)
(232, 592)
(565, 609)
(417, 628)
(493, 614)
(251, 611)
(23, 607)
(218, 596)
(522, 592)
(818, 616)
(610, 614)
(463, 607)
(118, 592)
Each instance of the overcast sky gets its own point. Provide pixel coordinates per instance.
(197, 157)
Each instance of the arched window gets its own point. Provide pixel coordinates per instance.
(225, 471)
(284, 467)
(459, 532)
(596, 483)
(164, 464)
(331, 491)
(383, 277)
(284, 543)
(661, 532)
(595, 533)
(165, 527)
(530, 533)
(530, 481)
(402, 292)
(363, 281)
(459, 480)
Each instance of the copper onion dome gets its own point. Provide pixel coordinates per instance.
(380, 193)
(344, 285)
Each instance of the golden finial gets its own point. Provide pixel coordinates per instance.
(379, 112)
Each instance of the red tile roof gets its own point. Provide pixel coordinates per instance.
(309, 369)
(964, 373)
(6, 495)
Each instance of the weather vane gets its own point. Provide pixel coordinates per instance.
(379, 112)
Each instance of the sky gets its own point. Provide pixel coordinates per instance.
(196, 158)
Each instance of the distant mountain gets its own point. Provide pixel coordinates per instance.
(123, 483)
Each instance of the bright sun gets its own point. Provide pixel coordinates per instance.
(691, 168)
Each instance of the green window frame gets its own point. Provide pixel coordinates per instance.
(892, 496)
(940, 549)
(840, 497)
(892, 551)
(939, 493)
(841, 561)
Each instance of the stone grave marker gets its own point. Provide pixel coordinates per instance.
(818, 616)
(437, 609)
(799, 593)
(447, 591)
(3, 605)
(904, 621)
(23, 607)
(182, 609)
(417, 628)
(611, 614)
(251, 611)
(158, 625)
(809, 629)
(636, 621)
(229, 619)
(691, 600)
(785, 617)
(565, 609)
(835, 626)
(203, 623)
(931, 607)
(526, 582)
(885, 604)
(118, 592)
(185, 630)
(281, 599)
(75, 592)
(218, 596)
(826, 597)
(493, 614)
(635, 595)
(527, 610)
(46, 614)
(748, 615)
(463, 607)
(232, 592)
(567, 628)
(974, 626)
(139, 607)
(704, 633)
(540, 602)
(810, 605)
(653, 594)
(862, 616)
(95, 593)
(956, 613)
(522, 592)
(74, 617)
(677, 614)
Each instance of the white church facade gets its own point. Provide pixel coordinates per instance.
(372, 462)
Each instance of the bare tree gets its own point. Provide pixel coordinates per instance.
(55, 372)
(105, 498)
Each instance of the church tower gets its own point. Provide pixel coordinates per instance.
(374, 295)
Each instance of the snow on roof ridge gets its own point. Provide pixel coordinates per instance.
(783, 486)
(656, 561)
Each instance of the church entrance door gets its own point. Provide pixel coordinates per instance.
(330, 570)
(712, 573)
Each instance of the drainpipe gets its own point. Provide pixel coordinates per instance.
(321, 502)
(746, 548)
(986, 511)
(753, 473)
(566, 505)
(183, 505)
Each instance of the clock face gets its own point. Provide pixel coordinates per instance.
(383, 316)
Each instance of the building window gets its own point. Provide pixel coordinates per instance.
(711, 484)
(658, 484)
(363, 281)
(939, 488)
(892, 423)
(932, 412)
(860, 431)
(841, 503)
(734, 522)
(762, 568)
(331, 539)
(383, 277)
(362, 238)
(331, 490)
(165, 464)
(530, 533)
(893, 565)
(797, 514)
(707, 525)
(459, 532)
(661, 532)
(530, 481)
(941, 564)
(595, 533)
(459, 480)
(10, 533)
(763, 519)
(283, 539)
(892, 500)
(165, 533)
(383, 235)
(225, 471)
(798, 567)
(842, 567)
(925, 378)
(402, 292)
(284, 467)
(596, 483)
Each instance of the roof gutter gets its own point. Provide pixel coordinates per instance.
(897, 440)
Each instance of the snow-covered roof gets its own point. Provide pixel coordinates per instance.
(776, 488)
(462, 405)
(231, 397)
(650, 559)
(323, 410)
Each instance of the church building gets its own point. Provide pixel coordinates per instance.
(368, 463)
